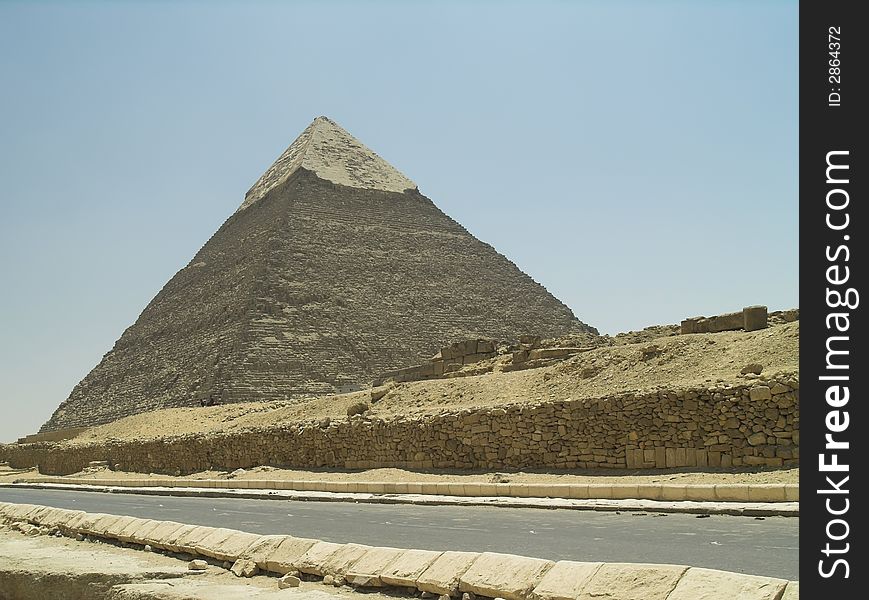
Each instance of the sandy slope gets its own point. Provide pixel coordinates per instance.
(666, 362)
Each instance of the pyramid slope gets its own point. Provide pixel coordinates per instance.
(326, 149)
(314, 288)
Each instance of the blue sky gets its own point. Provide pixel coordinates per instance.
(639, 159)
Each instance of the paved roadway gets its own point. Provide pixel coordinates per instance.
(767, 546)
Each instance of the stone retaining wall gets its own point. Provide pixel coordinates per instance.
(755, 423)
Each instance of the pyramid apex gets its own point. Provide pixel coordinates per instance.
(330, 152)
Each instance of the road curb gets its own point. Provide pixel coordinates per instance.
(725, 492)
(488, 574)
(747, 509)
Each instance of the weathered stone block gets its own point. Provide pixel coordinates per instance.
(262, 548)
(366, 571)
(407, 567)
(630, 581)
(226, 544)
(187, 540)
(442, 576)
(565, 580)
(164, 530)
(503, 575)
(286, 556)
(710, 584)
(792, 591)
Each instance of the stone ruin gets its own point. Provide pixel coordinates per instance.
(750, 318)
(453, 360)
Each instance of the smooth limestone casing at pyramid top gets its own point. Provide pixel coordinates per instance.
(334, 269)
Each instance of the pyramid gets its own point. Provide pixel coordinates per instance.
(334, 269)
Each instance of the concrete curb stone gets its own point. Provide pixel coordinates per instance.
(407, 568)
(186, 542)
(262, 548)
(225, 544)
(315, 557)
(114, 529)
(340, 561)
(792, 591)
(157, 536)
(505, 576)
(632, 581)
(170, 541)
(565, 580)
(367, 570)
(442, 576)
(687, 506)
(139, 534)
(128, 533)
(773, 492)
(709, 584)
(286, 556)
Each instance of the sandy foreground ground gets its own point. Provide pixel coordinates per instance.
(673, 476)
(51, 567)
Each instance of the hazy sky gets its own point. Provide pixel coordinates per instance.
(639, 159)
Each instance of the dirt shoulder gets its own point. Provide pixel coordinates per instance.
(659, 476)
(42, 566)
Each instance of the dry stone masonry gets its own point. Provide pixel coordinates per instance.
(334, 270)
(754, 423)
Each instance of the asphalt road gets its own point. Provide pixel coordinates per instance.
(766, 546)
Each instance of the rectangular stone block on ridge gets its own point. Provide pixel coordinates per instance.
(710, 584)
(442, 576)
(565, 580)
(503, 575)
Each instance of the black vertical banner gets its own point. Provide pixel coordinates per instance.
(833, 368)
